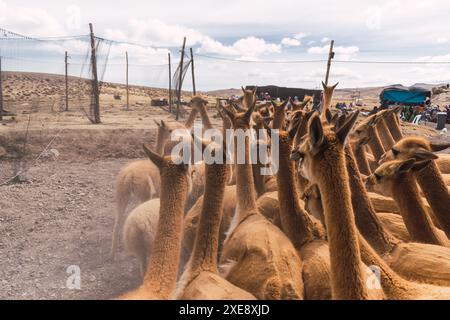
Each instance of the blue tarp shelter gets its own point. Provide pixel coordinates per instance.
(405, 95)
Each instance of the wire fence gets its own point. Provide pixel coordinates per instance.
(148, 66)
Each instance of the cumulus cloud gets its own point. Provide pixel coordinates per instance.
(442, 40)
(300, 35)
(159, 33)
(291, 42)
(32, 21)
(250, 47)
(155, 32)
(343, 53)
(325, 40)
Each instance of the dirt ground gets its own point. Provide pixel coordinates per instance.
(62, 218)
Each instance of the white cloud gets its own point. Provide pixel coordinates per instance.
(440, 58)
(250, 47)
(291, 42)
(31, 21)
(155, 32)
(325, 40)
(343, 53)
(300, 35)
(159, 33)
(442, 40)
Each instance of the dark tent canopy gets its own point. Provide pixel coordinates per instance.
(405, 95)
(284, 93)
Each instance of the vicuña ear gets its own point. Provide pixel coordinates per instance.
(248, 114)
(340, 122)
(154, 157)
(335, 86)
(285, 103)
(243, 90)
(255, 91)
(274, 104)
(423, 154)
(324, 85)
(328, 115)
(435, 147)
(334, 119)
(406, 166)
(163, 124)
(316, 135)
(345, 129)
(419, 166)
(157, 123)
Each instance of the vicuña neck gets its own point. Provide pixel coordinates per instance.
(394, 125)
(417, 220)
(361, 158)
(366, 219)
(160, 144)
(191, 120)
(385, 135)
(205, 118)
(375, 144)
(161, 275)
(279, 119)
(204, 256)
(246, 194)
(296, 223)
(346, 266)
(394, 287)
(436, 192)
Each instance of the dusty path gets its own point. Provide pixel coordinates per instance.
(62, 218)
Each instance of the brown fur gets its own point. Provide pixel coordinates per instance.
(139, 231)
(161, 275)
(139, 179)
(383, 130)
(375, 144)
(394, 224)
(193, 217)
(429, 178)
(268, 206)
(444, 163)
(327, 99)
(360, 156)
(313, 202)
(393, 123)
(257, 245)
(200, 280)
(323, 162)
(394, 286)
(306, 233)
(279, 117)
(366, 219)
(409, 265)
(394, 177)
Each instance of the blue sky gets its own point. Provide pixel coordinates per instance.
(279, 30)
